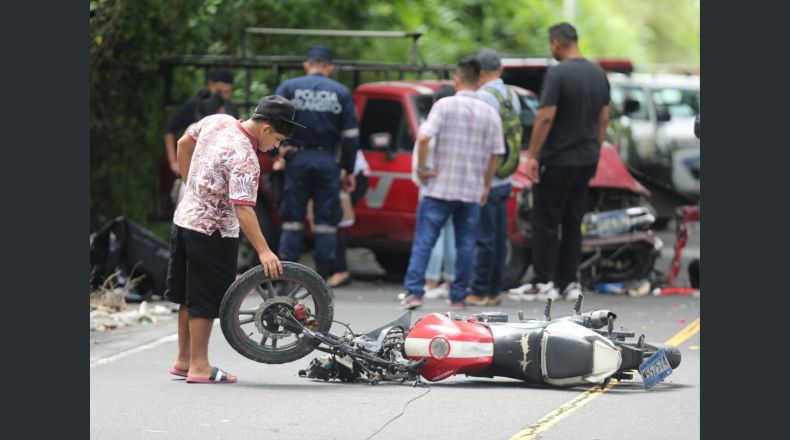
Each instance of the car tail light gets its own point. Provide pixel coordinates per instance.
(439, 348)
(616, 65)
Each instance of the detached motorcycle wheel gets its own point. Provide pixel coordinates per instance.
(248, 311)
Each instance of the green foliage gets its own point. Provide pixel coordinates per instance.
(127, 37)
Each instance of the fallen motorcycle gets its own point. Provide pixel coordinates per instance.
(285, 319)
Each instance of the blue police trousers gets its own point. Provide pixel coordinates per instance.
(310, 175)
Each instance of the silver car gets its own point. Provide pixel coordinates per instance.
(656, 117)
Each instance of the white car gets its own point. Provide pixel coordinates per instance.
(661, 144)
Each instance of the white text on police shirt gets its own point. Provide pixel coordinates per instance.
(317, 101)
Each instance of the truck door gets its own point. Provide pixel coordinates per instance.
(389, 206)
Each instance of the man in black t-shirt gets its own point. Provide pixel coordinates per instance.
(220, 84)
(562, 158)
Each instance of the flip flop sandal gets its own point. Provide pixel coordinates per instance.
(177, 372)
(217, 376)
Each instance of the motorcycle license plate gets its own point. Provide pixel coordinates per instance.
(655, 369)
(611, 223)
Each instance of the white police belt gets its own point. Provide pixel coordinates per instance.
(351, 132)
(293, 226)
(325, 229)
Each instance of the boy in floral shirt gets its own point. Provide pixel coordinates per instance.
(218, 163)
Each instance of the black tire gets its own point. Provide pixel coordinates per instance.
(297, 274)
(673, 353)
(394, 263)
(661, 223)
(635, 262)
(516, 264)
(693, 270)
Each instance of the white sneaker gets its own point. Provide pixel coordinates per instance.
(572, 291)
(521, 289)
(517, 293)
(438, 292)
(532, 292)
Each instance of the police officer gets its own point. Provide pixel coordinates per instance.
(312, 172)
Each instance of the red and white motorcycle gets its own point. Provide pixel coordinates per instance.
(285, 319)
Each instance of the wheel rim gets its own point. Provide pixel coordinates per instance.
(254, 310)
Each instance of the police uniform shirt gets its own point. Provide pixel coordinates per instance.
(327, 108)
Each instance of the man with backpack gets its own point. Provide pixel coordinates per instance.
(491, 247)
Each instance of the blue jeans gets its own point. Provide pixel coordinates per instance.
(431, 216)
(491, 249)
(443, 255)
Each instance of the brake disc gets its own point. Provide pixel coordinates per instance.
(268, 310)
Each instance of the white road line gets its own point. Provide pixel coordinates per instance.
(138, 349)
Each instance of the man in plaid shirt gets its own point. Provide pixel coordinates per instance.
(468, 136)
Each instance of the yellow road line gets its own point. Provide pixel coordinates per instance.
(681, 337)
(577, 402)
(560, 413)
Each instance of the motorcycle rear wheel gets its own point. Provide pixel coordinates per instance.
(249, 306)
(672, 353)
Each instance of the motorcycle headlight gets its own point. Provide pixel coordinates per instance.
(439, 348)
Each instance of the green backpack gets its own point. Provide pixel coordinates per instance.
(512, 130)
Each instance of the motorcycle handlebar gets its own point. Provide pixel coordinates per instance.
(597, 318)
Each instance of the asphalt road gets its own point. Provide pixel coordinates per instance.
(133, 396)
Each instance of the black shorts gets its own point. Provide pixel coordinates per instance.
(201, 269)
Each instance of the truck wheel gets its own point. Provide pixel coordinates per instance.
(395, 263)
(516, 264)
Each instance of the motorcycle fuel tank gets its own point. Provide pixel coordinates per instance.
(450, 347)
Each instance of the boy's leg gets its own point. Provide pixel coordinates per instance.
(211, 269)
(183, 356)
(176, 292)
(200, 332)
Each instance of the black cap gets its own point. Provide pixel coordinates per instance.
(222, 75)
(277, 108)
(320, 52)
